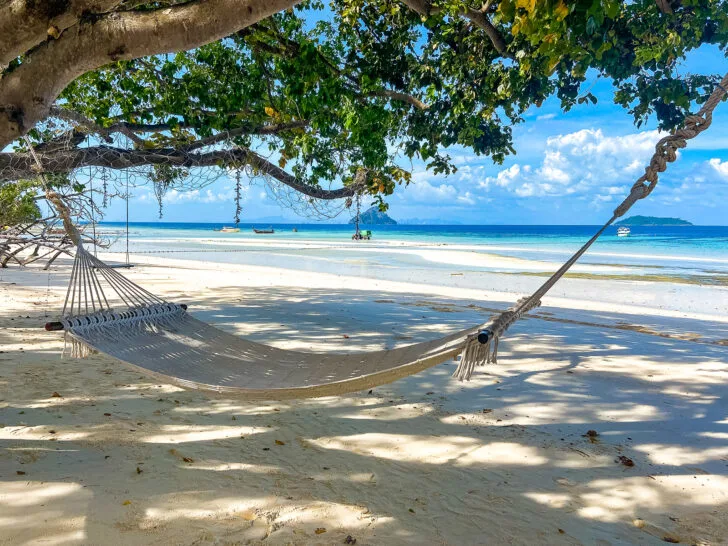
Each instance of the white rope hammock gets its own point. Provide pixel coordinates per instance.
(163, 340)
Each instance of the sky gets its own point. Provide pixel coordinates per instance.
(570, 168)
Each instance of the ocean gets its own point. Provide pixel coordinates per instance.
(683, 254)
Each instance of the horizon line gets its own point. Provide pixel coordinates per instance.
(289, 223)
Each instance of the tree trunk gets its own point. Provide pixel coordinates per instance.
(64, 53)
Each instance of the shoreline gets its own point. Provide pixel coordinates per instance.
(393, 245)
(702, 302)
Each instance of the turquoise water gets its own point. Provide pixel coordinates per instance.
(694, 254)
(695, 241)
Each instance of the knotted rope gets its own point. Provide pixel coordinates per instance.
(61, 208)
(482, 348)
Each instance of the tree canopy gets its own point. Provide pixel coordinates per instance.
(350, 91)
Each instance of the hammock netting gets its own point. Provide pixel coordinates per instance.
(165, 341)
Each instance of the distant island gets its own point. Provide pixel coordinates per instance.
(653, 221)
(374, 217)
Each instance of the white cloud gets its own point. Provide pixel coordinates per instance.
(584, 162)
(174, 197)
(720, 167)
(199, 196)
(467, 198)
(507, 177)
(423, 191)
(545, 117)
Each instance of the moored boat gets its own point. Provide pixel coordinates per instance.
(623, 231)
(263, 231)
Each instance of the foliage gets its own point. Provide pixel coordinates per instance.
(633, 43)
(18, 204)
(357, 86)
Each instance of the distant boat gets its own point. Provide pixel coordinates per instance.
(262, 231)
(228, 230)
(623, 231)
(295, 230)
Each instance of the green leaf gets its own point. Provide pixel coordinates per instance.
(591, 25)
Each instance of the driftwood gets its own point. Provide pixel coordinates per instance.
(38, 241)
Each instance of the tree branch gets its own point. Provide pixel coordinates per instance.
(404, 97)
(477, 17)
(91, 126)
(664, 6)
(290, 48)
(15, 166)
(24, 25)
(28, 92)
(481, 20)
(133, 130)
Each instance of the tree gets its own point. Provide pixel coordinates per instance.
(59, 40)
(18, 204)
(345, 98)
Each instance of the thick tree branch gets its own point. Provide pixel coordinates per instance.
(24, 24)
(28, 92)
(664, 6)
(15, 166)
(481, 20)
(477, 17)
(423, 7)
(404, 97)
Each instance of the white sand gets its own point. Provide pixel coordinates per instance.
(120, 459)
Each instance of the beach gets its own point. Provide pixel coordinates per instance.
(604, 422)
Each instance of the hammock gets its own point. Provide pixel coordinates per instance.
(164, 341)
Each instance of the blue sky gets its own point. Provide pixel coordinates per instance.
(570, 168)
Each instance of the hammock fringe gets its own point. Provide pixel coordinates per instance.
(78, 347)
(475, 354)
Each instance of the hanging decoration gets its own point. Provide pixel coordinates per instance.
(105, 186)
(238, 197)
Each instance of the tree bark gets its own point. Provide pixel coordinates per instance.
(15, 166)
(28, 91)
(478, 18)
(404, 97)
(664, 6)
(24, 24)
(134, 131)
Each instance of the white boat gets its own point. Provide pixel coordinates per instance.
(623, 231)
(227, 229)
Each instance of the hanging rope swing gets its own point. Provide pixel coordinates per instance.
(165, 341)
